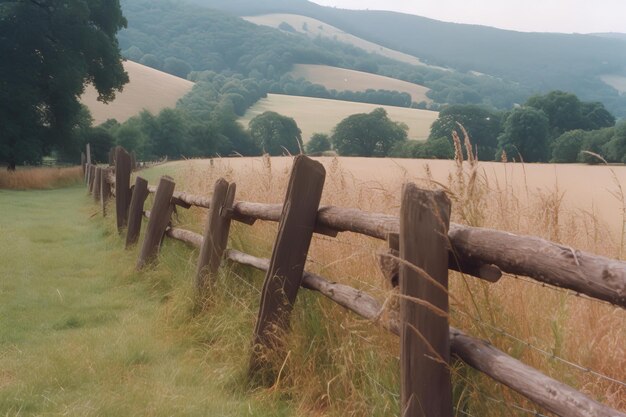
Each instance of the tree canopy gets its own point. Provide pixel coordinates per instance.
(50, 49)
(368, 134)
(276, 134)
(482, 125)
(525, 135)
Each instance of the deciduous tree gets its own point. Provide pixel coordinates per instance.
(49, 50)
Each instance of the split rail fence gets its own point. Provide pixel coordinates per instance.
(423, 246)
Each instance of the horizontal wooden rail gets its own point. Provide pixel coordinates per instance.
(475, 251)
(549, 393)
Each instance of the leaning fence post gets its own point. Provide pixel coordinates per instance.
(92, 176)
(96, 184)
(426, 389)
(105, 189)
(216, 231)
(122, 186)
(284, 276)
(157, 224)
(87, 162)
(135, 213)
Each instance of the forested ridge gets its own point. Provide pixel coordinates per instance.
(538, 62)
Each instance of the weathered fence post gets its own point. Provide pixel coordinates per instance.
(105, 189)
(157, 224)
(87, 162)
(426, 389)
(216, 231)
(92, 176)
(284, 276)
(122, 186)
(135, 213)
(96, 184)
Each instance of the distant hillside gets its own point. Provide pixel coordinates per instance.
(618, 82)
(611, 35)
(148, 89)
(314, 28)
(344, 79)
(538, 61)
(315, 115)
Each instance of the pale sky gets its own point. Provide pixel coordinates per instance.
(566, 16)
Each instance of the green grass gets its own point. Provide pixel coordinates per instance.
(83, 334)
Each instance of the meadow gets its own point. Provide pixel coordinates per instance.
(340, 365)
(150, 350)
(147, 89)
(317, 115)
(342, 79)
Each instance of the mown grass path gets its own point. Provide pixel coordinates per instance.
(82, 334)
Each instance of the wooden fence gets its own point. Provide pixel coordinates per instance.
(423, 245)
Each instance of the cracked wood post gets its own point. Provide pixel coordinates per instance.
(160, 215)
(216, 232)
(105, 190)
(97, 184)
(122, 186)
(135, 213)
(426, 390)
(284, 276)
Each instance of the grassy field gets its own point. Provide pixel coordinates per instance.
(148, 89)
(316, 115)
(350, 367)
(38, 178)
(341, 79)
(89, 336)
(317, 28)
(82, 334)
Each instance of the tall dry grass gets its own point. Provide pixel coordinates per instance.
(40, 178)
(338, 364)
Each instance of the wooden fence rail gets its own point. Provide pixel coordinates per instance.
(423, 246)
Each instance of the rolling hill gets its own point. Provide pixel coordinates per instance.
(341, 79)
(315, 115)
(148, 89)
(537, 62)
(314, 28)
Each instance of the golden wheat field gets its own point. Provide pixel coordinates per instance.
(315, 28)
(342, 79)
(148, 89)
(341, 365)
(317, 115)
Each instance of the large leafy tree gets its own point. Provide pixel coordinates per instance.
(368, 134)
(276, 134)
(50, 49)
(482, 125)
(525, 136)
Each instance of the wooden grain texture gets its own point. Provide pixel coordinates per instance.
(135, 213)
(426, 388)
(122, 186)
(217, 227)
(480, 252)
(97, 182)
(159, 219)
(551, 394)
(289, 255)
(83, 162)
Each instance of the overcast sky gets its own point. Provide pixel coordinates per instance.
(567, 16)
